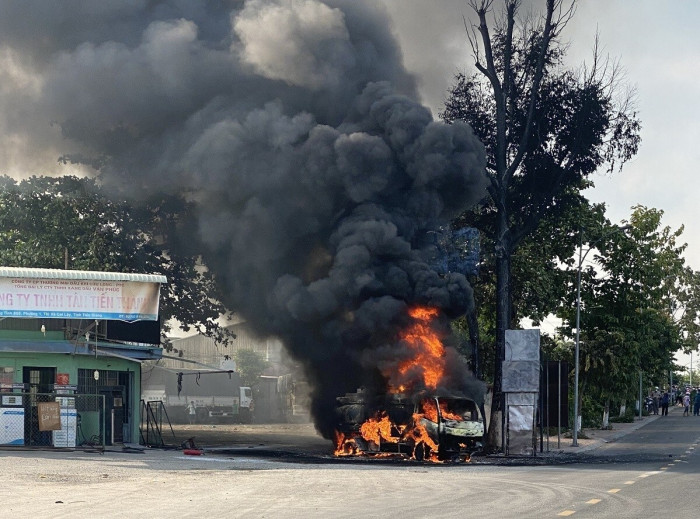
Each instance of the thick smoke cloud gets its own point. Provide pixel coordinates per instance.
(291, 124)
(308, 46)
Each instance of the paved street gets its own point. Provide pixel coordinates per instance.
(641, 474)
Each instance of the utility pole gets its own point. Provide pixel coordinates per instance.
(640, 394)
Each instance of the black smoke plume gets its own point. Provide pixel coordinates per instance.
(293, 127)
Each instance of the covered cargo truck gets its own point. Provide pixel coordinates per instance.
(217, 396)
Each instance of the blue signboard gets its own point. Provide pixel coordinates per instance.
(457, 251)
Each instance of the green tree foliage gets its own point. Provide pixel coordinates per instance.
(538, 282)
(631, 298)
(546, 129)
(54, 222)
(250, 365)
(684, 306)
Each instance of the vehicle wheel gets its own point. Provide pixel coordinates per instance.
(422, 452)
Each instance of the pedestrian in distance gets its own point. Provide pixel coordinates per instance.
(696, 404)
(192, 412)
(665, 398)
(686, 404)
(656, 396)
(251, 409)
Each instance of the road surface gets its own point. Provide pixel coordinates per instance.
(648, 473)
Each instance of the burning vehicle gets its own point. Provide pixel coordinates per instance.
(434, 428)
(421, 416)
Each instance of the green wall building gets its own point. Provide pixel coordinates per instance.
(71, 347)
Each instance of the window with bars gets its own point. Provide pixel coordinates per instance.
(87, 385)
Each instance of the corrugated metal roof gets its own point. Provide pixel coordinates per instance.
(30, 273)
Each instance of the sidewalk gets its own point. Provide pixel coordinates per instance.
(591, 438)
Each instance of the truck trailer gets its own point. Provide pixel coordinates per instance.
(217, 396)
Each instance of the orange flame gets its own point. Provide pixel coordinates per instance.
(422, 439)
(374, 430)
(429, 359)
(426, 346)
(378, 429)
(430, 411)
(345, 446)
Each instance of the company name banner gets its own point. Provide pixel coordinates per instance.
(79, 299)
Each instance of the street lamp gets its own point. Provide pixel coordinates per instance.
(581, 257)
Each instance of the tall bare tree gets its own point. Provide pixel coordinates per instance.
(546, 129)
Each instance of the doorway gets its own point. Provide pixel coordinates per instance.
(39, 381)
(115, 415)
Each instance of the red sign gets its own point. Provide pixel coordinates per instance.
(62, 379)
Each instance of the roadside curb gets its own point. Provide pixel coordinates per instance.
(604, 437)
(619, 434)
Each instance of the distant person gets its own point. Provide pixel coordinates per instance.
(665, 398)
(686, 403)
(656, 397)
(192, 412)
(251, 410)
(696, 404)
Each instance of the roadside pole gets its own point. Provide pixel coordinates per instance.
(640, 394)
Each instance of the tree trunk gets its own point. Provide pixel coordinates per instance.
(606, 414)
(497, 423)
(473, 324)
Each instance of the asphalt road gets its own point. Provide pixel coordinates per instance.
(648, 473)
(644, 474)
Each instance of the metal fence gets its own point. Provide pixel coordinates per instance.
(31, 419)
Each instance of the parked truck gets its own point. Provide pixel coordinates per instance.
(218, 397)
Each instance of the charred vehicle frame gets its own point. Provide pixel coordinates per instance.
(443, 428)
